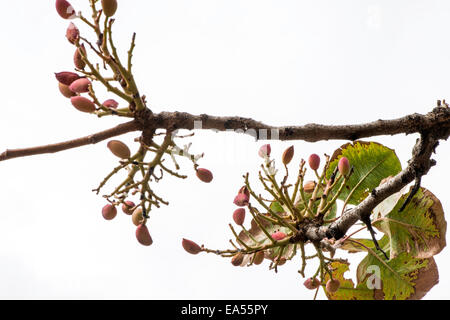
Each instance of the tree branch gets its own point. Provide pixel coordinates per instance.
(145, 120)
(418, 166)
(438, 117)
(432, 127)
(91, 139)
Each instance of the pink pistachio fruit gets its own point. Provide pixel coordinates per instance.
(143, 236)
(109, 212)
(344, 166)
(190, 246)
(204, 175)
(264, 151)
(314, 161)
(239, 216)
(65, 9)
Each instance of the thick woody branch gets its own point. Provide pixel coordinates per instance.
(418, 166)
(148, 121)
(439, 117)
(52, 148)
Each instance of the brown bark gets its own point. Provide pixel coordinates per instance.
(433, 126)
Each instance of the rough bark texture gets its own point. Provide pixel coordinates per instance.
(75, 143)
(146, 121)
(418, 166)
(433, 126)
(440, 116)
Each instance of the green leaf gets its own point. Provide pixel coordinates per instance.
(403, 277)
(352, 247)
(371, 161)
(347, 290)
(419, 229)
(276, 207)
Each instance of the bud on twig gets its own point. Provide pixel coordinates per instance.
(264, 151)
(119, 149)
(333, 285)
(65, 91)
(259, 257)
(109, 7)
(309, 186)
(245, 191)
(190, 246)
(143, 236)
(66, 77)
(288, 154)
(279, 235)
(314, 161)
(65, 9)
(344, 166)
(109, 212)
(241, 200)
(80, 85)
(127, 207)
(239, 216)
(237, 259)
(83, 104)
(111, 103)
(137, 217)
(311, 283)
(204, 175)
(78, 58)
(280, 261)
(72, 33)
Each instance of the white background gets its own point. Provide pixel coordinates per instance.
(281, 62)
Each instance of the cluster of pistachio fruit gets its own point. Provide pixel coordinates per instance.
(73, 85)
(274, 231)
(138, 215)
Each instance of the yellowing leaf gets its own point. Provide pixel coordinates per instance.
(419, 229)
(372, 162)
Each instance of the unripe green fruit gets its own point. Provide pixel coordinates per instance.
(78, 58)
(111, 103)
(264, 151)
(65, 9)
(344, 166)
(119, 149)
(66, 77)
(259, 257)
(109, 7)
(237, 259)
(204, 175)
(143, 236)
(83, 104)
(65, 91)
(279, 235)
(309, 186)
(311, 283)
(137, 217)
(333, 285)
(109, 212)
(241, 200)
(239, 216)
(80, 85)
(314, 161)
(127, 207)
(288, 154)
(190, 246)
